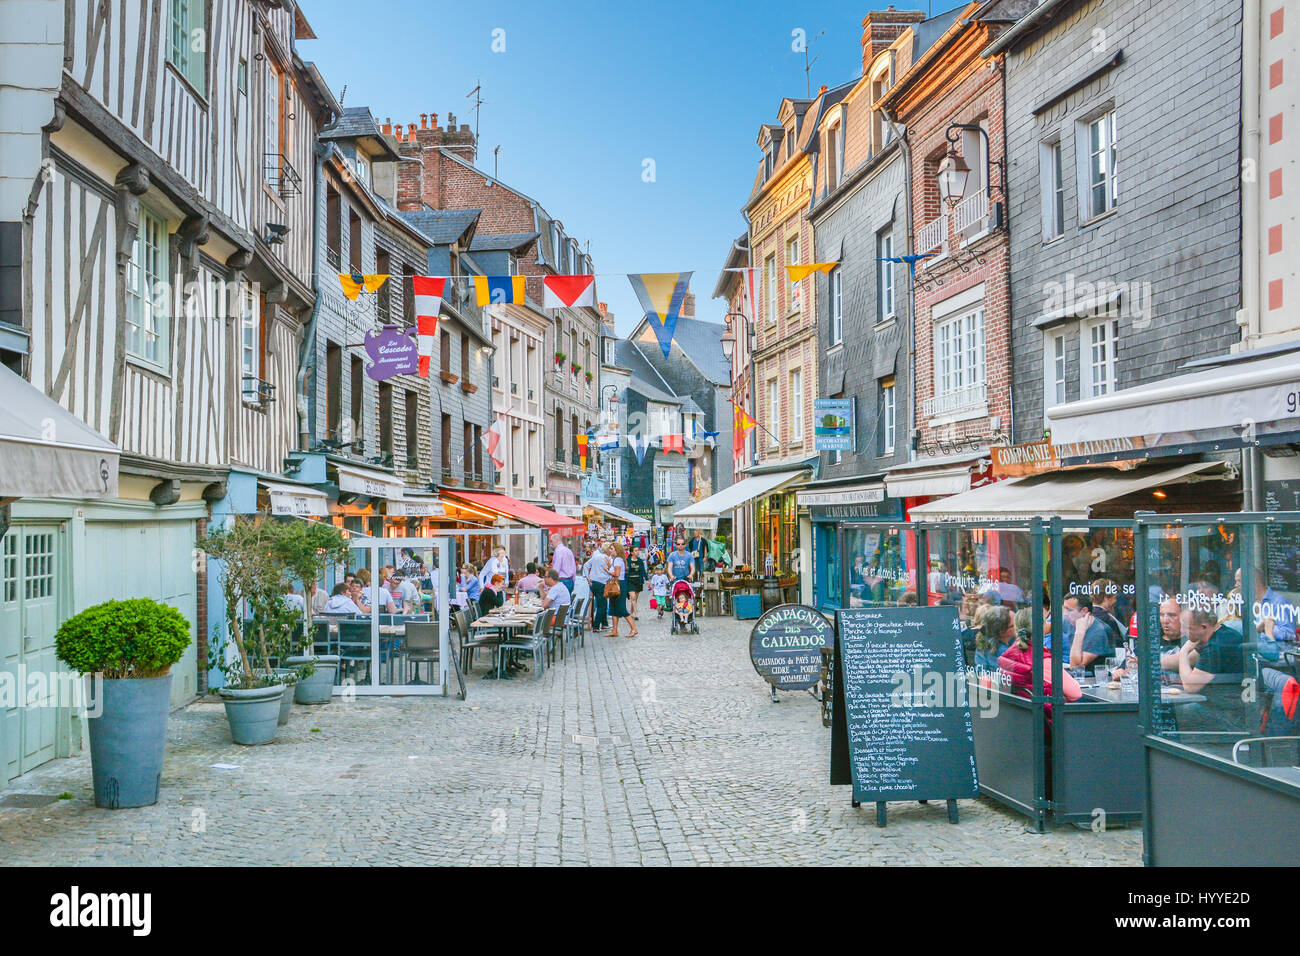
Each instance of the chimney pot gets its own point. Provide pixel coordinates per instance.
(411, 129)
(451, 122)
(822, 88)
(424, 121)
(433, 120)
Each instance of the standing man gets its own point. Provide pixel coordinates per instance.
(699, 548)
(681, 564)
(563, 561)
(597, 571)
(497, 564)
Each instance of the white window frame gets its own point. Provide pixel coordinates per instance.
(837, 306)
(1092, 385)
(885, 276)
(959, 354)
(1054, 376)
(187, 16)
(769, 289)
(796, 405)
(835, 155)
(1091, 162)
(272, 92)
(1051, 186)
(250, 334)
(774, 412)
(794, 301)
(664, 484)
(148, 309)
(613, 472)
(889, 415)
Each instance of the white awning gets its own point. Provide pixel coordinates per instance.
(296, 500)
(626, 517)
(1066, 494)
(1225, 397)
(940, 475)
(372, 484)
(732, 497)
(46, 451)
(416, 506)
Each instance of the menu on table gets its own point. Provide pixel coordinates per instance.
(901, 724)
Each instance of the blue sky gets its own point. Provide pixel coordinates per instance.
(585, 92)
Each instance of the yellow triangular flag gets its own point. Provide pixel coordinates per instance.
(799, 273)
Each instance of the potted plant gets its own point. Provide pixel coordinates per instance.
(588, 378)
(307, 549)
(559, 358)
(130, 647)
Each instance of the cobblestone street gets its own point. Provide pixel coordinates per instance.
(659, 750)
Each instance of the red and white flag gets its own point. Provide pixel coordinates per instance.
(560, 292)
(493, 438)
(427, 293)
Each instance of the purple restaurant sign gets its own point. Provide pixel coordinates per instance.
(392, 352)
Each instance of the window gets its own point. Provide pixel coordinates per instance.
(577, 454)
(478, 452)
(834, 157)
(187, 49)
(148, 322)
(333, 390)
(792, 288)
(1101, 189)
(1099, 342)
(385, 418)
(1052, 187)
(559, 434)
(445, 435)
(1053, 372)
(412, 422)
(664, 482)
(609, 352)
(888, 416)
(467, 442)
(773, 411)
(358, 398)
(884, 276)
(769, 288)
(880, 129)
(444, 352)
(384, 303)
(837, 306)
(354, 241)
(250, 335)
(959, 356)
(271, 145)
(242, 76)
(333, 228)
(796, 405)
(613, 473)
(361, 168)
(465, 349)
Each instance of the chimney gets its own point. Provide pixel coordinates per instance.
(822, 89)
(688, 305)
(433, 120)
(603, 307)
(424, 121)
(411, 130)
(451, 122)
(880, 28)
(387, 128)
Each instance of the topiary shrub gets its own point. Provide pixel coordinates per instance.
(131, 639)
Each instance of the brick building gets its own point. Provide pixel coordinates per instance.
(445, 178)
(950, 99)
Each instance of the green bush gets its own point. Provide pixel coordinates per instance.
(136, 638)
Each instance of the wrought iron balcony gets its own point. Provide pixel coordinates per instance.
(280, 175)
(258, 392)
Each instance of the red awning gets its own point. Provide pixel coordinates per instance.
(513, 508)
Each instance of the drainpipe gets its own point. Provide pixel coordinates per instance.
(307, 351)
(1248, 319)
(900, 133)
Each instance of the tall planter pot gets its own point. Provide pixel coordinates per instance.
(286, 676)
(127, 741)
(253, 714)
(319, 687)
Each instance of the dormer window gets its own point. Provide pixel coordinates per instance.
(360, 167)
(834, 156)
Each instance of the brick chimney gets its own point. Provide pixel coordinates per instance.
(688, 305)
(881, 28)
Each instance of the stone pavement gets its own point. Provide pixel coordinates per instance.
(659, 750)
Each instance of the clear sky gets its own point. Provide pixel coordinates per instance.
(586, 91)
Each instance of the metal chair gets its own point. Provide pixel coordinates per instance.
(354, 647)
(1267, 751)
(321, 638)
(422, 648)
(575, 625)
(535, 643)
(555, 632)
(470, 642)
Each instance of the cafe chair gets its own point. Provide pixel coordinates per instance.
(354, 648)
(555, 633)
(534, 643)
(321, 638)
(576, 622)
(422, 648)
(471, 641)
(1267, 751)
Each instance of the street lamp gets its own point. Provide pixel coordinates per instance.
(954, 173)
(728, 343)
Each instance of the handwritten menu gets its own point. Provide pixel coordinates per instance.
(1283, 542)
(901, 721)
(785, 646)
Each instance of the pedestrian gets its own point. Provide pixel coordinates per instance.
(636, 577)
(597, 571)
(618, 601)
(563, 561)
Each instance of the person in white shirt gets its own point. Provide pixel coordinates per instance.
(409, 594)
(386, 604)
(340, 602)
(318, 598)
(556, 593)
(497, 564)
(293, 600)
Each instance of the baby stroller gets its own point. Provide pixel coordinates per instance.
(684, 609)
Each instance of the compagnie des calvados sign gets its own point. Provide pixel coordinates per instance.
(785, 646)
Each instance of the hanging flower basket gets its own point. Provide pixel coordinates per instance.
(559, 358)
(575, 369)
(588, 378)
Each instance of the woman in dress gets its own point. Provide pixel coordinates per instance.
(636, 578)
(618, 604)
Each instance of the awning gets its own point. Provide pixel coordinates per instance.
(1067, 494)
(733, 496)
(508, 507)
(638, 523)
(372, 484)
(947, 475)
(861, 494)
(415, 506)
(46, 451)
(1238, 401)
(298, 500)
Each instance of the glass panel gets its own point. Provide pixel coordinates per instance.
(1227, 665)
(1098, 608)
(882, 566)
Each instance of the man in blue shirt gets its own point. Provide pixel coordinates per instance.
(1089, 640)
(681, 565)
(1274, 617)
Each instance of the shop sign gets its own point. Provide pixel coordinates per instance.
(846, 496)
(415, 508)
(704, 522)
(833, 424)
(786, 644)
(889, 510)
(392, 351)
(1032, 458)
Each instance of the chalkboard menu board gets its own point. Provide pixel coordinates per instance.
(1283, 542)
(901, 728)
(786, 646)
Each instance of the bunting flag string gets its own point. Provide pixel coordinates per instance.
(498, 290)
(661, 295)
(672, 443)
(568, 291)
(427, 296)
(742, 422)
(799, 273)
(354, 283)
(640, 445)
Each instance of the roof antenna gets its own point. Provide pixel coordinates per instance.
(808, 64)
(343, 94)
(478, 101)
(494, 161)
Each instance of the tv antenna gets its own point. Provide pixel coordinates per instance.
(808, 64)
(477, 93)
(494, 160)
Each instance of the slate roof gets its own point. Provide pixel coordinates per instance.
(644, 378)
(505, 242)
(927, 31)
(357, 122)
(443, 226)
(701, 343)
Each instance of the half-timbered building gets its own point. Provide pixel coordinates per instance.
(156, 266)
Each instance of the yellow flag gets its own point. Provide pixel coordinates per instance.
(799, 273)
(355, 282)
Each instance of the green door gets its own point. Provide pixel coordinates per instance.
(30, 565)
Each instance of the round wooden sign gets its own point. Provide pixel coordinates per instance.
(785, 646)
